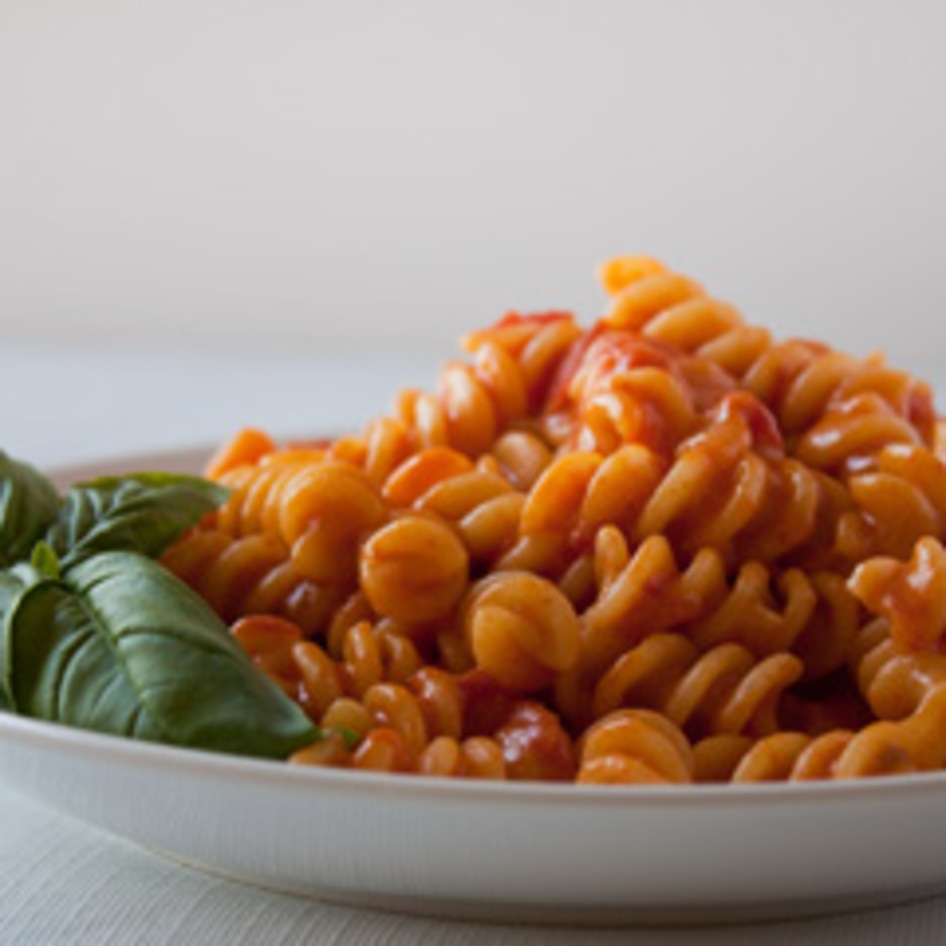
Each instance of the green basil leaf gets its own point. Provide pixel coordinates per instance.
(28, 504)
(143, 512)
(45, 560)
(119, 645)
(13, 583)
(10, 589)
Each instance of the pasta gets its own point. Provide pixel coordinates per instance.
(667, 548)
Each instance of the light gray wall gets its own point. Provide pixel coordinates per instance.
(408, 170)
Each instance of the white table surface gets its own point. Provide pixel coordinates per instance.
(62, 882)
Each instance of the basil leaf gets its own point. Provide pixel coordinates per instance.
(13, 583)
(143, 512)
(119, 645)
(10, 589)
(45, 560)
(28, 504)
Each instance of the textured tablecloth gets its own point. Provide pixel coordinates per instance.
(62, 882)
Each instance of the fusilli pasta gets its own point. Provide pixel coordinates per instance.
(666, 548)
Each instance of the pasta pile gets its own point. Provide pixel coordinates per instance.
(667, 548)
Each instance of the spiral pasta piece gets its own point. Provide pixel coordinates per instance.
(634, 747)
(521, 629)
(319, 507)
(901, 498)
(413, 570)
(911, 595)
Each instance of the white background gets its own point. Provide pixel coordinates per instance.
(321, 173)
